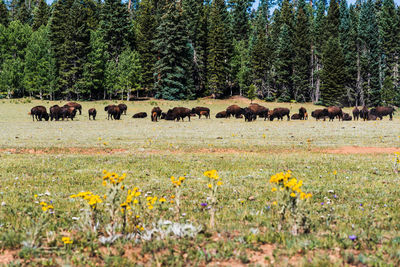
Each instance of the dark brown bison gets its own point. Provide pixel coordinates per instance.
(318, 114)
(347, 117)
(234, 110)
(221, 114)
(372, 117)
(140, 115)
(249, 115)
(92, 113)
(178, 113)
(55, 112)
(198, 110)
(259, 110)
(163, 115)
(295, 116)
(68, 112)
(382, 111)
(364, 113)
(39, 113)
(113, 111)
(74, 105)
(333, 112)
(356, 113)
(279, 113)
(303, 113)
(158, 112)
(123, 108)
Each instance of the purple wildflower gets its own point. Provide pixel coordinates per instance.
(352, 237)
(322, 203)
(203, 204)
(335, 196)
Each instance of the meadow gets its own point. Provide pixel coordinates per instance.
(236, 217)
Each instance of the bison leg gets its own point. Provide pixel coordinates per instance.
(391, 116)
(288, 118)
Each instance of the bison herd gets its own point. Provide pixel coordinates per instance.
(250, 113)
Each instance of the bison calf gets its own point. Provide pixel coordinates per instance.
(140, 115)
(92, 113)
(220, 115)
(296, 117)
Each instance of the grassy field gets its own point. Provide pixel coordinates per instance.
(349, 168)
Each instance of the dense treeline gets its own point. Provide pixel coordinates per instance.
(287, 50)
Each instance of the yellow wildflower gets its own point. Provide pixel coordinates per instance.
(292, 194)
(66, 240)
(104, 183)
(274, 189)
(209, 185)
(219, 183)
(274, 203)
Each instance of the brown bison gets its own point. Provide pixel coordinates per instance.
(92, 113)
(259, 110)
(198, 110)
(372, 117)
(140, 115)
(318, 114)
(382, 111)
(39, 113)
(67, 112)
(303, 113)
(178, 113)
(296, 116)
(74, 105)
(163, 115)
(279, 113)
(123, 108)
(333, 112)
(221, 114)
(55, 112)
(234, 110)
(113, 111)
(249, 115)
(346, 117)
(364, 113)
(158, 112)
(356, 113)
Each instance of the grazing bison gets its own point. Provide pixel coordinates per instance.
(234, 110)
(279, 113)
(333, 112)
(74, 105)
(92, 113)
(221, 114)
(55, 112)
(356, 113)
(303, 113)
(123, 108)
(198, 110)
(318, 114)
(68, 112)
(371, 117)
(113, 111)
(296, 117)
(140, 115)
(346, 117)
(163, 115)
(249, 115)
(39, 113)
(364, 113)
(158, 112)
(383, 111)
(178, 113)
(259, 110)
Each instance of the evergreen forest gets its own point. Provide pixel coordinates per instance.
(328, 53)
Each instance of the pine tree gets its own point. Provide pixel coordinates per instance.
(283, 65)
(251, 93)
(333, 84)
(129, 73)
(219, 48)
(240, 18)
(370, 54)
(41, 15)
(3, 13)
(173, 69)
(24, 12)
(146, 22)
(115, 27)
(301, 61)
(39, 67)
(348, 41)
(388, 29)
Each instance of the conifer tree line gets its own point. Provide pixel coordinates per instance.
(285, 50)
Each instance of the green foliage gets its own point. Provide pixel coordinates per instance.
(173, 69)
(4, 17)
(41, 15)
(240, 18)
(251, 93)
(129, 73)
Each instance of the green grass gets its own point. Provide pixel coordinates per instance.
(64, 158)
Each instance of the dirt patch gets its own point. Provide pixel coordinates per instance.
(360, 150)
(6, 257)
(67, 150)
